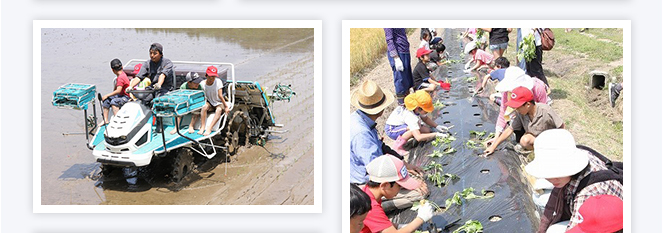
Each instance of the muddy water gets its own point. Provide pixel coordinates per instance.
(69, 174)
(511, 209)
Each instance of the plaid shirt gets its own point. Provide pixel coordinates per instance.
(610, 187)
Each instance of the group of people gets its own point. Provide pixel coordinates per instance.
(578, 175)
(158, 74)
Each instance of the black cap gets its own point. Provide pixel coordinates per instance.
(116, 64)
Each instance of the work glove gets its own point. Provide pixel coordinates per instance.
(425, 212)
(398, 64)
(441, 128)
(467, 66)
(441, 135)
(157, 86)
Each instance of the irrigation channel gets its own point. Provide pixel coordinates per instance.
(511, 209)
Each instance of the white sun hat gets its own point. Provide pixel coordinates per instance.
(556, 155)
(470, 46)
(514, 77)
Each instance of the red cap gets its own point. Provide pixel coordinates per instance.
(444, 86)
(137, 68)
(211, 71)
(520, 96)
(423, 51)
(602, 213)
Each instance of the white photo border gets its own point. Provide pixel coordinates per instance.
(348, 24)
(317, 129)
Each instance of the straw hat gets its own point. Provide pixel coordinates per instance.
(556, 155)
(370, 98)
(514, 77)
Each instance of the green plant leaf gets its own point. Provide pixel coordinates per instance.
(471, 226)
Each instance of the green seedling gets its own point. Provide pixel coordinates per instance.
(442, 180)
(438, 105)
(454, 61)
(477, 134)
(441, 141)
(416, 205)
(471, 226)
(455, 199)
(449, 151)
(436, 154)
(471, 144)
(435, 167)
(526, 49)
(467, 194)
(471, 79)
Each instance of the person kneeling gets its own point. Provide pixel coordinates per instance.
(387, 174)
(405, 122)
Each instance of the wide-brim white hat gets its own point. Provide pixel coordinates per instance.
(470, 46)
(556, 155)
(514, 77)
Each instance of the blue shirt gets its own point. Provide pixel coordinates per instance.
(365, 145)
(498, 74)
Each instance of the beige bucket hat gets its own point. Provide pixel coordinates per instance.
(370, 98)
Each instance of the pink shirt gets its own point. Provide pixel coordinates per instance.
(540, 96)
(483, 57)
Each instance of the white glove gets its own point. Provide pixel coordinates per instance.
(398, 64)
(425, 212)
(157, 86)
(468, 66)
(441, 135)
(441, 128)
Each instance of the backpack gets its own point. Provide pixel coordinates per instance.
(615, 170)
(547, 38)
(558, 210)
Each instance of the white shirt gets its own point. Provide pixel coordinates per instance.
(212, 92)
(424, 44)
(537, 36)
(401, 116)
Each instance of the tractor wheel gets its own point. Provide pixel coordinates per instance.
(182, 164)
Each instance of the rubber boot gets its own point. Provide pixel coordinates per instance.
(398, 146)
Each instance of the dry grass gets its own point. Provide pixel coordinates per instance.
(366, 45)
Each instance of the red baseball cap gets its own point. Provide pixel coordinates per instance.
(602, 213)
(423, 51)
(137, 68)
(211, 71)
(520, 96)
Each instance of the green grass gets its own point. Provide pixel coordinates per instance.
(613, 34)
(592, 47)
(587, 124)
